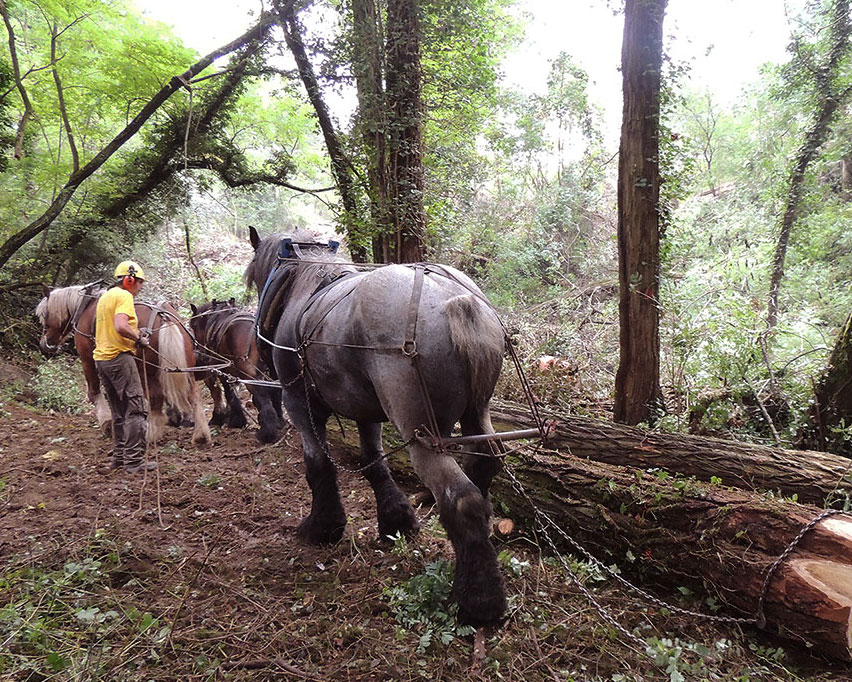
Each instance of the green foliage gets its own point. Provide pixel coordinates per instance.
(421, 605)
(7, 131)
(58, 620)
(57, 385)
(210, 480)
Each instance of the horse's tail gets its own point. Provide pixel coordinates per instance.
(478, 337)
(177, 385)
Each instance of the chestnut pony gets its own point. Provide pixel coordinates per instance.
(71, 310)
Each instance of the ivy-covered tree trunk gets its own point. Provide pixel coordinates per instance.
(637, 382)
(368, 66)
(407, 243)
(829, 97)
(829, 423)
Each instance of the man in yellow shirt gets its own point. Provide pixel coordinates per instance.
(116, 337)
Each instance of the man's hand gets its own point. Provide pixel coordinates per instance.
(144, 339)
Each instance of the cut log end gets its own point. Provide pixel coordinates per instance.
(822, 588)
(503, 528)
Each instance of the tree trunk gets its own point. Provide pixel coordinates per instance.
(830, 413)
(813, 477)
(341, 166)
(637, 382)
(405, 146)
(367, 64)
(829, 99)
(706, 537)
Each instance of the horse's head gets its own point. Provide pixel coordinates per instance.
(57, 312)
(54, 322)
(203, 315)
(275, 250)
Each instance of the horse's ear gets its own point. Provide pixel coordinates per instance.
(254, 237)
(232, 301)
(193, 308)
(45, 290)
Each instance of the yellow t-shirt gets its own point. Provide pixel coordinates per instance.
(108, 342)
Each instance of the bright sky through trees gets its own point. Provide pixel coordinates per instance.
(724, 42)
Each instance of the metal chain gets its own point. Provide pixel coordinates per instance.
(626, 583)
(602, 612)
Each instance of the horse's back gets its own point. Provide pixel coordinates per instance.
(362, 330)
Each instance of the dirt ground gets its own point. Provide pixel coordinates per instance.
(194, 572)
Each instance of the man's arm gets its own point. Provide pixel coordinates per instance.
(121, 321)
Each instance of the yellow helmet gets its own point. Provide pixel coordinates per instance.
(129, 268)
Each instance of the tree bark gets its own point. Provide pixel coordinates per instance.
(829, 100)
(830, 413)
(16, 241)
(706, 537)
(813, 477)
(60, 94)
(637, 382)
(405, 147)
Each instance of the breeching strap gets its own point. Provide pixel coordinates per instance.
(409, 349)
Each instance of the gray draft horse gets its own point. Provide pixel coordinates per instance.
(350, 342)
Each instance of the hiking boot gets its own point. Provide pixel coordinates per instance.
(139, 466)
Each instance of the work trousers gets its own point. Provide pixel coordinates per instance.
(123, 389)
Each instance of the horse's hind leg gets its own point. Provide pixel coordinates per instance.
(156, 417)
(480, 468)
(394, 511)
(464, 512)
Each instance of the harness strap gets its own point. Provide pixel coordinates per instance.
(409, 346)
(409, 349)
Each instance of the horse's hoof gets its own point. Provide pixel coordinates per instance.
(216, 420)
(267, 436)
(481, 602)
(205, 439)
(398, 519)
(317, 533)
(237, 423)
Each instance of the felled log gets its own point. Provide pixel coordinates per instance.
(682, 532)
(813, 477)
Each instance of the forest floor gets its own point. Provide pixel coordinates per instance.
(194, 572)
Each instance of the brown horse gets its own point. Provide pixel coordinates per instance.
(162, 366)
(225, 332)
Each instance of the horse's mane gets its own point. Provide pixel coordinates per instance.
(61, 303)
(295, 279)
(215, 317)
